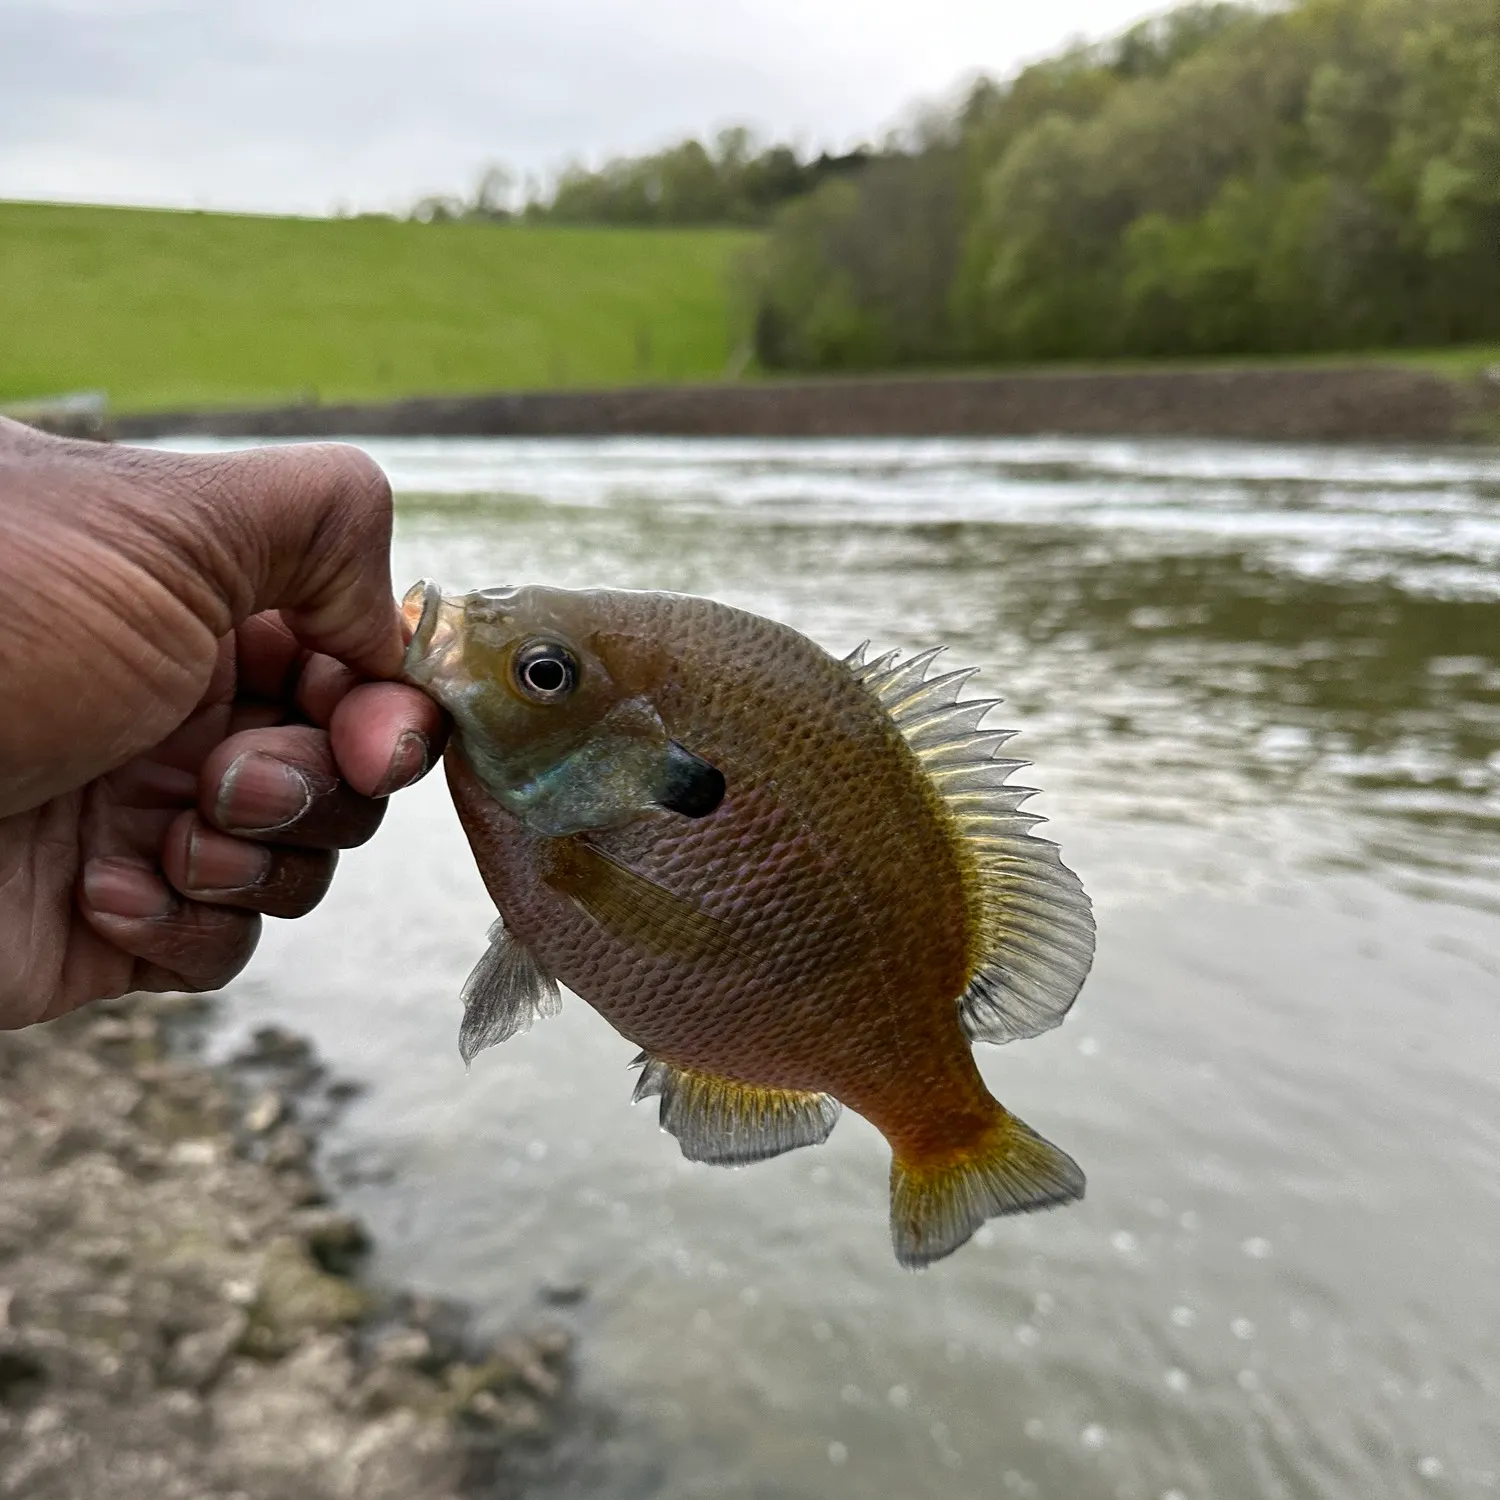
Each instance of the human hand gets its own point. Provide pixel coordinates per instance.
(175, 756)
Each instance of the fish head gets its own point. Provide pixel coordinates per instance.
(553, 713)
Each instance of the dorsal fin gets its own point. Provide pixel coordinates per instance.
(1033, 924)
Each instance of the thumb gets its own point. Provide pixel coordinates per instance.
(305, 529)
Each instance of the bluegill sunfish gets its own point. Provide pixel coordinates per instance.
(795, 882)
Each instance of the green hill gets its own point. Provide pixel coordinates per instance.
(164, 309)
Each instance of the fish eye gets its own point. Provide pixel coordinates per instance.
(544, 671)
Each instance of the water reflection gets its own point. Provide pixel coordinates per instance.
(1262, 691)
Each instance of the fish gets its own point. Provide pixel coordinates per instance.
(797, 883)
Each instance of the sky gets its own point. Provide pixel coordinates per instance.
(320, 106)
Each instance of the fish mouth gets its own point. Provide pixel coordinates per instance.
(432, 629)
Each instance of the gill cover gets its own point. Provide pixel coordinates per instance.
(567, 751)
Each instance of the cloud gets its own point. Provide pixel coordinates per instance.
(299, 105)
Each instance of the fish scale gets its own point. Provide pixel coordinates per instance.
(793, 881)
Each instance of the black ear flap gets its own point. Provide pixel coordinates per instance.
(690, 785)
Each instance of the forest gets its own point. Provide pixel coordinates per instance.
(1226, 179)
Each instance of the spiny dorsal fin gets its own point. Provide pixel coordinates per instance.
(1035, 925)
(728, 1123)
(504, 994)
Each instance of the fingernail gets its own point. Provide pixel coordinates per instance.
(407, 765)
(260, 794)
(216, 862)
(121, 888)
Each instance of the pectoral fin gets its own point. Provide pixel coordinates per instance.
(635, 908)
(504, 994)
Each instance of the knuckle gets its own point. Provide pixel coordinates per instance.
(359, 481)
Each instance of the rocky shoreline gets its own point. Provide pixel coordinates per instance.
(182, 1314)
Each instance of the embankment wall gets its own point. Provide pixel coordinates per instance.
(1366, 403)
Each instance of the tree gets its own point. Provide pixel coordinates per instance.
(1225, 178)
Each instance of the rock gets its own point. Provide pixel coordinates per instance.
(302, 1188)
(402, 1346)
(179, 1103)
(540, 1380)
(464, 1381)
(181, 1410)
(279, 1434)
(297, 1298)
(338, 1240)
(198, 1153)
(288, 1147)
(197, 1358)
(108, 1253)
(275, 1045)
(264, 1113)
(391, 1386)
(110, 1031)
(20, 1372)
(552, 1343)
(513, 1414)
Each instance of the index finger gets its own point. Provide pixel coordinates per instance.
(301, 528)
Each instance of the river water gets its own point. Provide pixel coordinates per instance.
(1261, 688)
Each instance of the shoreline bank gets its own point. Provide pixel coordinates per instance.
(1354, 403)
(182, 1312)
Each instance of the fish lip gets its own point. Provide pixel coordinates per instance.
(422, 607)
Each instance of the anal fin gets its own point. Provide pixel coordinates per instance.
(936, 1206)
(504, 994)
(729, 1123)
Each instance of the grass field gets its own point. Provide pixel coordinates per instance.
(164, 309)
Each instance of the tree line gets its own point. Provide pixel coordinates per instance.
(1224, 179)
(1227, 178)
(733, 179)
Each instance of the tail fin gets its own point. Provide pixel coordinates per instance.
(936, 1206)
